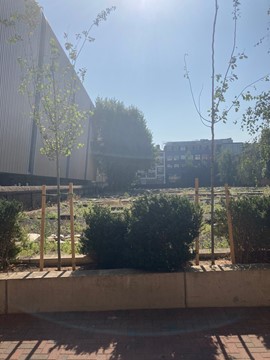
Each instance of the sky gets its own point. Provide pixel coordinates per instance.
(138, 57)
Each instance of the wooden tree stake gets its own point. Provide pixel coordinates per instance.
(230, 227)
(197, 247)
(72, 226)
(42, 229)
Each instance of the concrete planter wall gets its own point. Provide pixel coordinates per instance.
(228, 287)
(125, 289)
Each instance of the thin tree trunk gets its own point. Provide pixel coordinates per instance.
(57, 153)
(58, 212)
(212, 194)
(213, 120)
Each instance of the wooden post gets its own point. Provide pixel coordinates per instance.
(230, 227)
(72, 226)
(42, 229)
(197, 247)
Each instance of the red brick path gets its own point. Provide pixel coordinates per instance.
(234, 333)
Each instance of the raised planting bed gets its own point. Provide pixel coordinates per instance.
(98, 290)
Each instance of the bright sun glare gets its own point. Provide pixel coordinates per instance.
(147, 6)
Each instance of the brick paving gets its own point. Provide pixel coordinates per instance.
(227, 334)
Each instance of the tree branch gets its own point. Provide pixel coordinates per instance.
(245, 88)
(202, 118)
(232, 55)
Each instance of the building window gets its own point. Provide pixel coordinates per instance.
(182, 148)
(151, 173)
(176, 165)
(197, 157)
(176, 157)
(169, 166)
(160, 161)
(183, 157)
(204, 157)
(169, 158)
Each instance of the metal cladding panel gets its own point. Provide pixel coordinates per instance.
(78, 159)
(16, 125)
(15, 122)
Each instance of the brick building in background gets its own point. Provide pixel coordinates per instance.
(194, 157)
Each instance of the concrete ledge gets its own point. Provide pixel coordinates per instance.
(95, 291)
(99, 290)
(228, 288)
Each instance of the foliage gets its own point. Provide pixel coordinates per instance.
(28, 249)
(10, 231)
(264, 144)
(251, 228)
(155, 234)
(124, 143)
(191, 171)
(105, 237)
(257, 117)
(249, 169)
(162, 229)
(227, 167)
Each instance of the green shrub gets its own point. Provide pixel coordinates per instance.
(105, 237)
(155, 234)
(10, 231)
(251, 228)
(161, 231)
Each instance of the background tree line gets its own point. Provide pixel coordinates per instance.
(251, 167)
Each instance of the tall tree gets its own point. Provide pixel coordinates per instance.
(124, 142)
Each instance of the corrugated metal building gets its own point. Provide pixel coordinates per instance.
(20, 142)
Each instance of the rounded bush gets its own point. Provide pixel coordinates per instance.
(251, 228)
(161, 231)
(10, 231)
(105, 238)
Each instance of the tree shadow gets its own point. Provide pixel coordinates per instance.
(138, 334)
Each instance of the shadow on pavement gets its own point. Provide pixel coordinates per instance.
(138, 334)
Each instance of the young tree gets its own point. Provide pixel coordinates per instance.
(219, 87)
(51, 86)
(124, 143)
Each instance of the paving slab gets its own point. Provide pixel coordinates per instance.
(201, 334)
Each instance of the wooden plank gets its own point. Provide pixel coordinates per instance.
(72, 226)
(42, 229)
(230, 226)
(197, 247)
